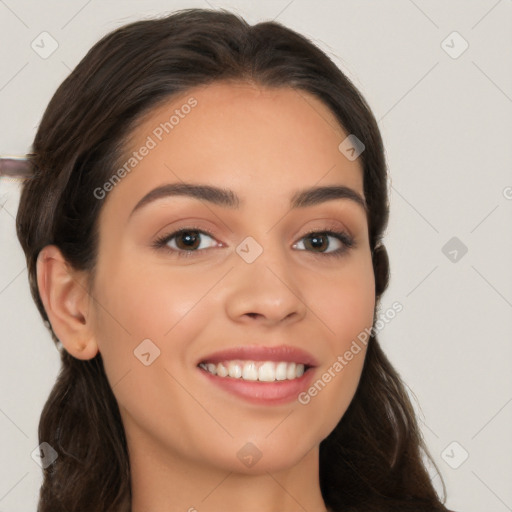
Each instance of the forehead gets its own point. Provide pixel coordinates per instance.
(255, 140)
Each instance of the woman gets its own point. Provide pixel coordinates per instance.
(203, 238)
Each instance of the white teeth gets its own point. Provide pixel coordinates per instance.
(290, 371)
(267, 372)
(234, 370)
(250, 372)
(264, 371)
(281, 371)
(222, 371)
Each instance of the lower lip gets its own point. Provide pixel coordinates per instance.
(263, 393)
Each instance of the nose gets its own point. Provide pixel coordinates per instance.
(265, 291)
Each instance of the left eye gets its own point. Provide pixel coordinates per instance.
(319, 242)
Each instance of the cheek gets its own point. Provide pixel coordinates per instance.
(344, 304)
(344, 301)
(134, 305)
(167, 309)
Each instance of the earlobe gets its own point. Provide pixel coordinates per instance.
(65, 298)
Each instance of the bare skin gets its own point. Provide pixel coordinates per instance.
(184, 433)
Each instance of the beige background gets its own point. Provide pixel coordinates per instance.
(447, 127)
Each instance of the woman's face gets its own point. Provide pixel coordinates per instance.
(244, 274)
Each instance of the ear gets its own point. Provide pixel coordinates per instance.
(65, 298)
(381, 269)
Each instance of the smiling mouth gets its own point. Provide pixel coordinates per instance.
(262, 371)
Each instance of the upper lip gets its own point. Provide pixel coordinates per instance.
(260, 353)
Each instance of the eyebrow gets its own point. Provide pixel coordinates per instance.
(228, 199)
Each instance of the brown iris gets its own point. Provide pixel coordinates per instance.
(318, 241)
(191, 239)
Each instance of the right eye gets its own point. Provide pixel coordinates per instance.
(184, 241)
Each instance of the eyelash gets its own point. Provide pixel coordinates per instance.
(346, 240)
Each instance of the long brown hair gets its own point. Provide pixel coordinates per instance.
(373, 458)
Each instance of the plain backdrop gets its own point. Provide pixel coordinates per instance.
(438, 76)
